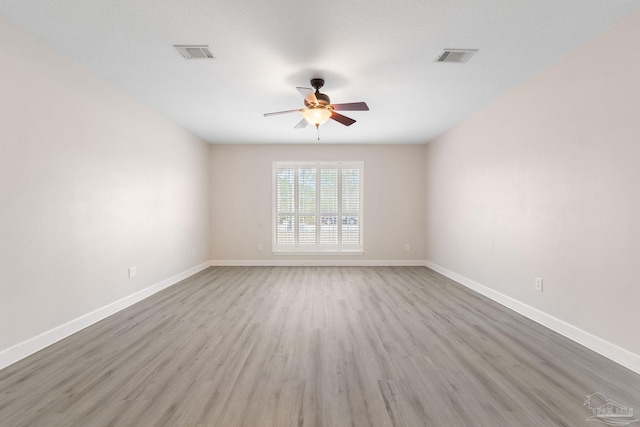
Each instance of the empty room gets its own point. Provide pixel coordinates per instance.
(412, 213)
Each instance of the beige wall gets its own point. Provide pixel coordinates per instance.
(394, 193)
(546, 182)
(91, 183)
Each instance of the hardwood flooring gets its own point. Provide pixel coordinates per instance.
(312, 346)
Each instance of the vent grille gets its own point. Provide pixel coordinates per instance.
(456, 55)
(194, 51)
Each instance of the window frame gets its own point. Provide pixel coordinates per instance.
(317, 249)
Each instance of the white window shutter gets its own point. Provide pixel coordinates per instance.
(317, 207)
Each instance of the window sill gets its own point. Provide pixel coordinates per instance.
(316, 252)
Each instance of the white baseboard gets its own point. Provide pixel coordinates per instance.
(609, 350)
(618, 354)
(303, 262)
(21, 350)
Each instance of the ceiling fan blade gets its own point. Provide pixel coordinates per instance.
(342, 119)
(308, 95)
(351, 106)
(281, 112)
(301, 124)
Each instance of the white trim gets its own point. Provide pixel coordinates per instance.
(26, 348)
(607, 349)
(339, 252)
(317, 263)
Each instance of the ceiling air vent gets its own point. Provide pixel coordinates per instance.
(456, 55)
(194, 51)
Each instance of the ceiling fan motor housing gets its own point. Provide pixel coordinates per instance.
(322, 99)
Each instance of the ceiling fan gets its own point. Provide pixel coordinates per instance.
(319, 108)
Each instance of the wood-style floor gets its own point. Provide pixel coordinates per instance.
(312, 346)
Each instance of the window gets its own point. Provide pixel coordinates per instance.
(317, 207)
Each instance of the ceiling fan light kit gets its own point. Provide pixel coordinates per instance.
(319, 108)
(316, 115)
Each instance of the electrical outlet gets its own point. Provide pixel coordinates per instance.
(538, 284)
(407, 248)
(133, 272)
(193, 252)
(260, 247)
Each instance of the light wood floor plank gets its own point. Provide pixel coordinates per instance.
(312, 347)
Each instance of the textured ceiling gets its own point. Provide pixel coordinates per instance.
(376, 51)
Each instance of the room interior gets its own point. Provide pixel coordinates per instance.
(118, 154)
